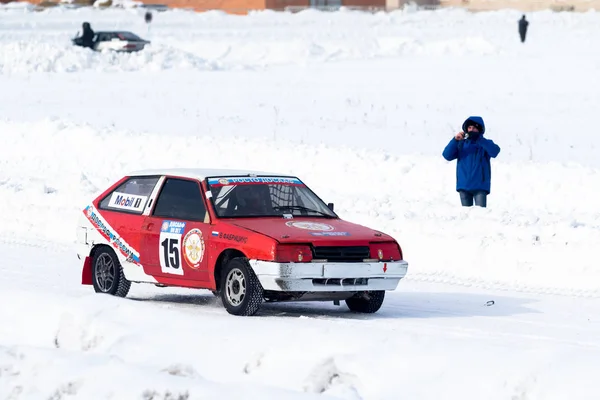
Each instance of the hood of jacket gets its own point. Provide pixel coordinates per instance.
(476, 120)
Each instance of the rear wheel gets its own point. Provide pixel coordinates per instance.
(366, 302)
(107, 274)
(241, 291)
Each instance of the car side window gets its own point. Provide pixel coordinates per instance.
(181, 199)
(130, 196)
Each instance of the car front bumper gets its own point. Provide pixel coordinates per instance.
(329, 277)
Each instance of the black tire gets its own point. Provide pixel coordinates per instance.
(241, 291)
(366, 302)
(107, 274)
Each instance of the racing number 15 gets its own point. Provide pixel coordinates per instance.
(171, 252)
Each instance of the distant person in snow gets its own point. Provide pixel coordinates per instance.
(87, 37)
(473, 169)
(523, 24)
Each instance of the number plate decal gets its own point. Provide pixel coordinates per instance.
(170, 247)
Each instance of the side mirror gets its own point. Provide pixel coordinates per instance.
(330, 206)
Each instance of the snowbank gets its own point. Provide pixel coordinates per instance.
(182, 345)
(79, 348)
(24, 57)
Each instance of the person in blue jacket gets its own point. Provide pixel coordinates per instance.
(473, 169)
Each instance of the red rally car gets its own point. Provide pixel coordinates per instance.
(247, 236)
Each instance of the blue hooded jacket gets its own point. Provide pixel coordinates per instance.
(473, 169)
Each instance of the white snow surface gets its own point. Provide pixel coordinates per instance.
(499, 303)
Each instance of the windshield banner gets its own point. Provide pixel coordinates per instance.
(254, 180)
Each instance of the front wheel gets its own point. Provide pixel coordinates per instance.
(366, 302)
(241, 291)
(107, 274)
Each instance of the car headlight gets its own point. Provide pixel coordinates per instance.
(293, 253)
(385, 251)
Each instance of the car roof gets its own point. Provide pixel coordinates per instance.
(202, 173)
(114, 32)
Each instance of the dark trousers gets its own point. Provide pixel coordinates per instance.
(466, 198)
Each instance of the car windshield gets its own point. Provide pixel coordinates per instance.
(265, 196)
(128, 36)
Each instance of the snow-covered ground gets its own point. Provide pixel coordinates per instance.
(359, 106)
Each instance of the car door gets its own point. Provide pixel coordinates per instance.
(174, 234)
(121, 213)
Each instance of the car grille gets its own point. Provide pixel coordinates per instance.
(340, 282)
(341, 253)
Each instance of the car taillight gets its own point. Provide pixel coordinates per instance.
(293, 253)
(385, 251)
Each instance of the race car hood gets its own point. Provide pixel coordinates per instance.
(313, 230)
